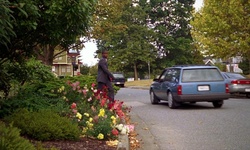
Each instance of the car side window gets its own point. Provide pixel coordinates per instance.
(170, 75)
(163, 75)
(175, 75)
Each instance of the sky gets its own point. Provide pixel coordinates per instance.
(88, 52)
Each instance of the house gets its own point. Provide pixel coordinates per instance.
(67, 63)
(232, 64)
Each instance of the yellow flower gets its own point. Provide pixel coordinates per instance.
(86, 114)
(100, 136)
(78, 115)
(62, 88)
(64, 97)
(114, 121)
(84, 130)
(90, 125)
(101, 112)
(90, 119)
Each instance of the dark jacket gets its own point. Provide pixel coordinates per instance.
(103, 74)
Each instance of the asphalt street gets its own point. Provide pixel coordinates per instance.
(192, 126)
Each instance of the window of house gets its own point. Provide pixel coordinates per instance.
(68, 68)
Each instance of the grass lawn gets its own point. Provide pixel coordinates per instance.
(146, 83)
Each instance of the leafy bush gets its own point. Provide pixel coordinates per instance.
(10, 139)
(44, 125)
(32, 102)
(14, 74)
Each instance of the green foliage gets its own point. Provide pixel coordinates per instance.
(221, 28)
(245, 66)
(44, 125)
(6, 28)
(10, 139)
(172, 28)
(23, 75)
(30, 101)
(34, 21)
(221, 66)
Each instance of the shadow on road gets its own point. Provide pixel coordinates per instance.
(187, 106)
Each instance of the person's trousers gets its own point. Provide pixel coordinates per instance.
(111, 92)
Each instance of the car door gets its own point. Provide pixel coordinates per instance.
(158, 84)
(170, 82)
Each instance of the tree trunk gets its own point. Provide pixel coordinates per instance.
(45, 54)
(135, 72)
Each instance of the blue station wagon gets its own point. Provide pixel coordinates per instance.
(192, 84)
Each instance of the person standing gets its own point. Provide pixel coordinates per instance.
(104, 76)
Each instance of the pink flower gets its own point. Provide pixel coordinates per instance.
(130, 127)
(103, 102)
(84, 92)
(115, 132)
(73, 106)
(93, 85)
(74, 111)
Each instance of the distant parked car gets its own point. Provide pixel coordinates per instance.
(119, 79)
(192, 84)
(237, 83)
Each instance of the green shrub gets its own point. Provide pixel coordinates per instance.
(32, 102)
(10, 139)
(44, 125)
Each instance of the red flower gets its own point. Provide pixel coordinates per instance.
(115, 132)
(73, 106)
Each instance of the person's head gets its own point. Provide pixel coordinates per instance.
(105, 54)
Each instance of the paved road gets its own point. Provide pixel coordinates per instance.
(191, 127)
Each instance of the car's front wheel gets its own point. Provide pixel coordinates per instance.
(171, 102)
(217, 104)
(153, 98)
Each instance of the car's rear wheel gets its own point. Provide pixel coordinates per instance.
(248, 95)
(153, 98)
(217, 104)
(171, 102)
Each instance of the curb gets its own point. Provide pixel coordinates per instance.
(123, 142)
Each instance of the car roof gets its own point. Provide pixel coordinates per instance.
(192, 66)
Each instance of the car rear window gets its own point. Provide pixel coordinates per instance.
(201, 74)
(118, 75)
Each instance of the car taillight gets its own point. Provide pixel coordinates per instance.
(240, 82)
(234, 82)
(244, 82)
(179, 90)
(227, 88)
